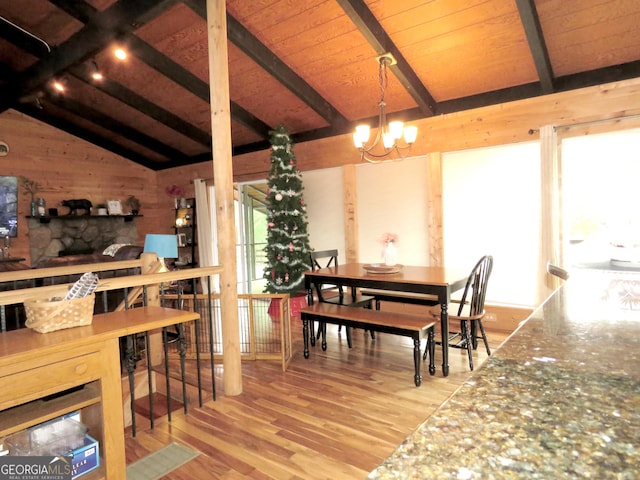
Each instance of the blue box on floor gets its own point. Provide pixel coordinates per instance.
(85, 458)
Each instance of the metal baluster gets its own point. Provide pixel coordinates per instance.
(165, 344)
(3, 319)
(210, 308)
(16, 308)
(131, 367)
(105, 304)
(197, 323)
(182, 349)
(149, 378)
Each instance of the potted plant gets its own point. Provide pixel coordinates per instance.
(31, 188)
(134, 204)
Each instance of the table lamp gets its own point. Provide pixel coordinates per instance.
(164, 246)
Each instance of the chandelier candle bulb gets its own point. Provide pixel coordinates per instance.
(361, 135)
(388, 140)
(395, 128)
(410, 134)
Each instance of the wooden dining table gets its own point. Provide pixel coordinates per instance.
(437, 281)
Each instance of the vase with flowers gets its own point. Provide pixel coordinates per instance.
(389, 252)
(176, 192)
(31, 187)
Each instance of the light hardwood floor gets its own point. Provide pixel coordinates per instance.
(336, 415)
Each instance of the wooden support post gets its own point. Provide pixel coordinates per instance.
(435, 209)
(350, 213)
(550, 212)
(223, 178)
(150, 264)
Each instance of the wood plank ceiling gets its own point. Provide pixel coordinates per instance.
(310, 65)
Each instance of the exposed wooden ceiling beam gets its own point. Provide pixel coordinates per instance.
(371, 29)
(189, 81)
(269, 61)
(121, 17)
(152, 110)
(164, 65)
(112, 88)
(105, 121)
(537, 45)
(614, 73)
(87, 135)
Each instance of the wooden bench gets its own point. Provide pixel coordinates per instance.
(400, 297)
(413, 326)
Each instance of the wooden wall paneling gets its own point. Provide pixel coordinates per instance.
(68, 167)
(350, 213)
(481, 127)
(73, 168)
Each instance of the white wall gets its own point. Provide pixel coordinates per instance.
(491, 203)
(324, 198)
(392, 197)
(491, 199)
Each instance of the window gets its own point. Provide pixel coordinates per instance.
(491, 200)
(600, 199)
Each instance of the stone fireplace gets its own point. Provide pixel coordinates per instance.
(69, 235)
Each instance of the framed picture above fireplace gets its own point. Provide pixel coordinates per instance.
(8, 206)
(114, 207)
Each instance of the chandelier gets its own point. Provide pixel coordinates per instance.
(388, 134)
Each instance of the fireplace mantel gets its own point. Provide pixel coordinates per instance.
(48, 218)
(48, 236)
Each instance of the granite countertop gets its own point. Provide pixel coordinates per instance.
(559, 399)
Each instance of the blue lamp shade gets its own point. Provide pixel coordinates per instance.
(164, 246)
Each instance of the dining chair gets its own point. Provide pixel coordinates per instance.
(471, 309)
(335, 293)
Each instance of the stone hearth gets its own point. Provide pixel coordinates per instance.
(51, 235)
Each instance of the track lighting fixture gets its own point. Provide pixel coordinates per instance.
(95, 71)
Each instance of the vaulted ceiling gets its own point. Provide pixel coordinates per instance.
(308, 64)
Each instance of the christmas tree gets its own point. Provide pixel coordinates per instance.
(288, 238)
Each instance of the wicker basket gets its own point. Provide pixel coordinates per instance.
(47, 316)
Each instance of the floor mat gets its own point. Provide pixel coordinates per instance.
(161, 462)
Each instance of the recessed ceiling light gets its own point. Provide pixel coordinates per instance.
(120, 54)
(58, 86)
(96, 74)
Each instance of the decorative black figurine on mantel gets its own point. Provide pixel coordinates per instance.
(77, 204)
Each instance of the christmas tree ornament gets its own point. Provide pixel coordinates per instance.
(287, 249)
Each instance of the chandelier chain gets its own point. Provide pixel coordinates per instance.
(387, 134)
(383, 78)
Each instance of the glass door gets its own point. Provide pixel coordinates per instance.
(251, 220)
